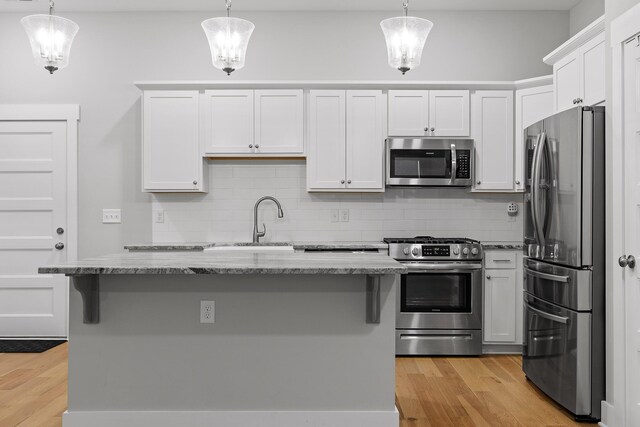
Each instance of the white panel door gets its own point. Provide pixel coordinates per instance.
(493, 138)
(228, 121)
(566, 79)
(408, 113)
(172, 160)
(449, 113)
(592, 80)
(366, 110)
(532, 105)
(632, 228)
(326, 159)
(500, 306)
(32, 207)
(279, 121)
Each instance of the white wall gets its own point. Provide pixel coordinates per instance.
(226, 212)
(114, 49)
(584, 13)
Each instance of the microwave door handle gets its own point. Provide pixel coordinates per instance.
(454, 163)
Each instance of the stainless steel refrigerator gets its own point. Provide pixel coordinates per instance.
(564, 268)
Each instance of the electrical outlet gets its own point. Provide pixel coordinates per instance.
(111, 216)
(344, 215)
(512, 209)
(159, 216)
(207, 312)
(335, 215)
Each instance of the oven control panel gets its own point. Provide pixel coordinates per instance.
(430, 250)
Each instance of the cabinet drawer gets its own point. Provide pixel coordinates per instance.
(500, 260)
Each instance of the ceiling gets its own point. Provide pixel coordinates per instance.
(280, 5)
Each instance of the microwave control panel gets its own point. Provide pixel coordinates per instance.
(436, 250)
(463, 158)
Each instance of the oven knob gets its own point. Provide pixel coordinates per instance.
(456, 251)
(415, 251)
(406, 251)
(474, 251)
(465, 251)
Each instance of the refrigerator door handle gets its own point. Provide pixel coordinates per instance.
(547, 276)
(548, 316)
(535, 188)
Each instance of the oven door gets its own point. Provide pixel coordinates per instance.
(440, 295)
(557, 353)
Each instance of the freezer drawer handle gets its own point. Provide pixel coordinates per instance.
(552, 317)
(553, 277)
(436, 337)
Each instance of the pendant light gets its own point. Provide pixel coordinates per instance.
(51, 37)
(405, 36)
(228, 40)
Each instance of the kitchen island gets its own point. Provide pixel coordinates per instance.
(299, 339)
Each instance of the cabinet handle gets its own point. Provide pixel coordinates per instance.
(250, 145)
(479, 182)
(348, 181)
(195, 182)
(517, 182)
(579, 101)
(574, 102)
(257, 146)
(426, 129)
(342, 181)
(433, 129)
(488, 277)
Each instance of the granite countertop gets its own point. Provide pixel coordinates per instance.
(311, 245)
(230, 262)
(511, 246)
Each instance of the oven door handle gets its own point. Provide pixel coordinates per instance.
(548, 316)
(425, 267)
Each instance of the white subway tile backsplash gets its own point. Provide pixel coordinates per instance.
(226, 212)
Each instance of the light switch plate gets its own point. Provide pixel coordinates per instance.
(111, 216)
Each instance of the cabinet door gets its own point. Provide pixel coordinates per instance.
(532, 105)
(228, 120)
(493, 137)
(170, 143)
(279, 122)
(366, 110)
(566, 79)
(408, 113)
(326, 156)
(449, 113)
(592, 81)
(500, 306)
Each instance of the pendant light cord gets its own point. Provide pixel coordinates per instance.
(405, 7)
(228, 3)
(51, 6)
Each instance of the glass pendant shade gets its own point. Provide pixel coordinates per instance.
(228, 39)
(405, 36)
(51, 37)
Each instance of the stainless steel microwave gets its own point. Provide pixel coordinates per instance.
(422, 162)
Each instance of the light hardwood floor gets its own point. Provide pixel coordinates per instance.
(430, 392)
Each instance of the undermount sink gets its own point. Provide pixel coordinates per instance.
(259, 247)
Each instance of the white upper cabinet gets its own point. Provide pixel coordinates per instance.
(366, 110)
(493, 138)
(346, 141)
(449, 112)
(228, 121)
(532, 105)
(253, 123)
(326, 158)
(423, 113)
(171, 156)
(579, 68)
(279, 121)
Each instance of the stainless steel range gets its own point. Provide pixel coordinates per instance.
(439, 301)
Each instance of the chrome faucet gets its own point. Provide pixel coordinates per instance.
(258, 234)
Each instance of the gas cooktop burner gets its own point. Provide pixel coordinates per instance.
(429, 240)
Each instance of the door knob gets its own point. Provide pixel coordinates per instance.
(60, 230)
(627, 261)
(59, 246)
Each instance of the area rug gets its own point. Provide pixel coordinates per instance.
(28, 346)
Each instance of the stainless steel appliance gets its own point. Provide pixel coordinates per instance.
(564, 295)
(439, 301)
(423, 162)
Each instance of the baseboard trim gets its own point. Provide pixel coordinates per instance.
(607, 413)
(502, 349)
(231, 418)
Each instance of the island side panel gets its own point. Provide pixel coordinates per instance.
(279, 343)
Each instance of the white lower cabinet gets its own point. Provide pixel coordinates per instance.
(346, 140)
(492, 132)
(503, 298)
(171, 156)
